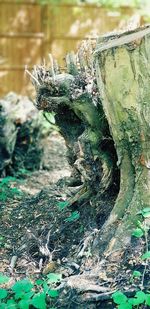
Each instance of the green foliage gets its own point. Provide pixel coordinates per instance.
(124, 302)
(146, 255)
(145, 212)
(53, 278)
(3, 293)
(106, 3)
(140, 298)
(24, 294)
(39, 301)
(138, 232)
(48, 122)
(62, 205)
(6, 189)
(136, 274)
(3, 279)
(73, 217)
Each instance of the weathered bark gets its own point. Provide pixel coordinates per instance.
(123, 65)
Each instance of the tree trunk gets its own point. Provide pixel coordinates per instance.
(123, 65)
(98, 124)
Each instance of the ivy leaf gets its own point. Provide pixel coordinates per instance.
(27, 296)
(62, 205)
(136, 274)
(15, 191)
(146, 255)
(22, 286)
(45, 287)
(148, 299)
(3, 293)
(3, 306)
(119, 298)
(140, 297)
(74, 216)
(24, 304)
(125, 306)
(39, 282)
(53, 293)
(7, 179)
(3, 196)
(146, 209)
(146, 214)
(3, 279)
(38, 301)
(53, 278)
(11, 304)
(138, 232)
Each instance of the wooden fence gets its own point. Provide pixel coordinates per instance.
(28, 32)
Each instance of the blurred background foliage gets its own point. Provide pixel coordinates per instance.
(106, 3)
(30, 29)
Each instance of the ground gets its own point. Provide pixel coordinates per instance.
(40, 234)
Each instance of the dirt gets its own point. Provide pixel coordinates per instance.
(39, 237)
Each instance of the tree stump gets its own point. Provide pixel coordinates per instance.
(123, 65)
(103, 114)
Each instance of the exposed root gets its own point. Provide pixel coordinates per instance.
(84, 285)
(86, 246)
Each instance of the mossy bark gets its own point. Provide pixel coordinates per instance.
(123, 65)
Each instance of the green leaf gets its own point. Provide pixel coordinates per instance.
(146, 214)
(45, 287)
(3, 279)
(7, 179)
(136, 274)
(50, 117)
(62, 205)
(22, 286)
(19, 295)
(53, 293)
(53, 278)
(119, 298)
(39, 282)
(125, 306)
(138, 232)
(140, 298)
(3, 293)
(24, 304)
(38, 301)
(74, 216)
(3, 196)
(27, 296)
(11, 304)
(15, 191)
(148, 299)
(146, 209)
(146, 255)
(3, 305)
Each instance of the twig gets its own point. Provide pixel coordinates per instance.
(32, 76)
(13, 263)
(52, 66)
